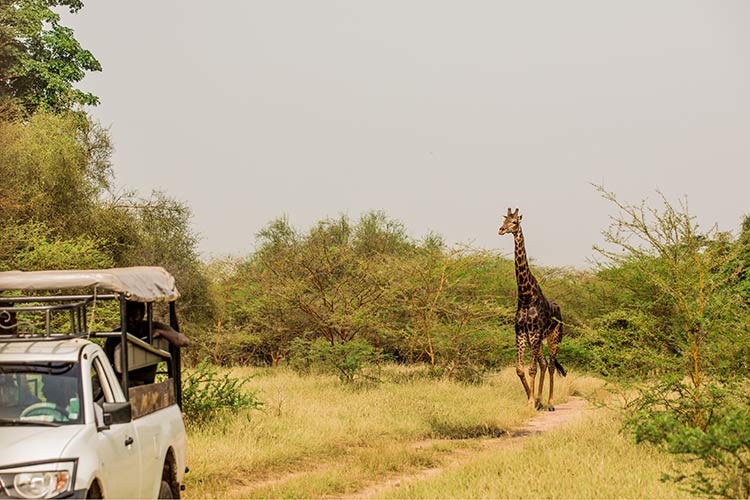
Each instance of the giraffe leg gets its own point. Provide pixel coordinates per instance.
(520, 351)
(542, 371)
(552, 356)
(550, 403)
(534, 403)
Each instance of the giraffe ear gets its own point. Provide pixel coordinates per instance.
(520, 217)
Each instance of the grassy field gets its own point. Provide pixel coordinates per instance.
(316, 437)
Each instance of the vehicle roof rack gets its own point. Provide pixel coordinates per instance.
(46, 305)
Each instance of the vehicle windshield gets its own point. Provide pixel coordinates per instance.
(40, 394)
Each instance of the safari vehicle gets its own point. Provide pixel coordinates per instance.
(72, 425)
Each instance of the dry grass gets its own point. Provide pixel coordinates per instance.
(588, 459)
(318, 438)
(315, 423)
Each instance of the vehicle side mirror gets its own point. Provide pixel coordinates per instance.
(117, 413)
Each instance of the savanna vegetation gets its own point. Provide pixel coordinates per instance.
(344, 344)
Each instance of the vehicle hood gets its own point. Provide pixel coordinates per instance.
(20, 444)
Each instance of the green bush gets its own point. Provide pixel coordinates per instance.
(207, 395)
(616, 349)
(350, 361)
(707, 427)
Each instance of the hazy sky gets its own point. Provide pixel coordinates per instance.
(442, 114)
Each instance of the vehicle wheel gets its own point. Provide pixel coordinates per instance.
(165, 491)
(94, 491)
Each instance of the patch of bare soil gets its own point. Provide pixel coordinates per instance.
(545, 421)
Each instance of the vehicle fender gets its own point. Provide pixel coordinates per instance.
(159, 432)
(83, 447)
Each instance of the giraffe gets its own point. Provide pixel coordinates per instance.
(537, 319)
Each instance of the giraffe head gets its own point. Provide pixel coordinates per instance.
(511, 224)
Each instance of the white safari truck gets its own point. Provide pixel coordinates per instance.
(73, 422)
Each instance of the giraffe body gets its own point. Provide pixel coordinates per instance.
(537, 320)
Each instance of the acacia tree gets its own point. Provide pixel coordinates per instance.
(705, 421)
(668, 249)
(251, 311)
(334, 275)
(443, 306)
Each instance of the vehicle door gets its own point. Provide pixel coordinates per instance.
(118, 445)
(150, 428)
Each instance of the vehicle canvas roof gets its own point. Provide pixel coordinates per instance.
(142, 284)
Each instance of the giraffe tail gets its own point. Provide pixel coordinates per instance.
(557, 315)
(560, 368)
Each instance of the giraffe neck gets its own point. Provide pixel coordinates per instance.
(524, 278)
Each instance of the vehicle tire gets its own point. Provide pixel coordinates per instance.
(165, 491)
(94, 491)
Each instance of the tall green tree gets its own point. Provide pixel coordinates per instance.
(703, 421)
(40, 59)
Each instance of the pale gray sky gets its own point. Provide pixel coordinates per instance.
(441, 113)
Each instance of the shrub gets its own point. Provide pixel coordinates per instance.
(466, 356)
(350, 361)
(707, 427)
(207, 395)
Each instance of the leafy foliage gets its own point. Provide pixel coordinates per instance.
(161, 235)
(40, 59)
(207, 395)
(32, 246)
(332, 276)
(706, 426)
(704, 420)
(57, 209)
(678, 262)
(55, 170)
(350, 361)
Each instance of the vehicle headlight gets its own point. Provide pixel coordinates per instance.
(38, 480)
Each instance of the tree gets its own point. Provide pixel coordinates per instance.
(331, 275)
(55, 169)
(40, 59)
(667, 249)
(704, 421)
(252, 310)
(161, 236)
(445, 307)
(741, 280)
(57, 174)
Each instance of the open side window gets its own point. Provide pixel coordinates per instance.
(100, 384)
(110, 405)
